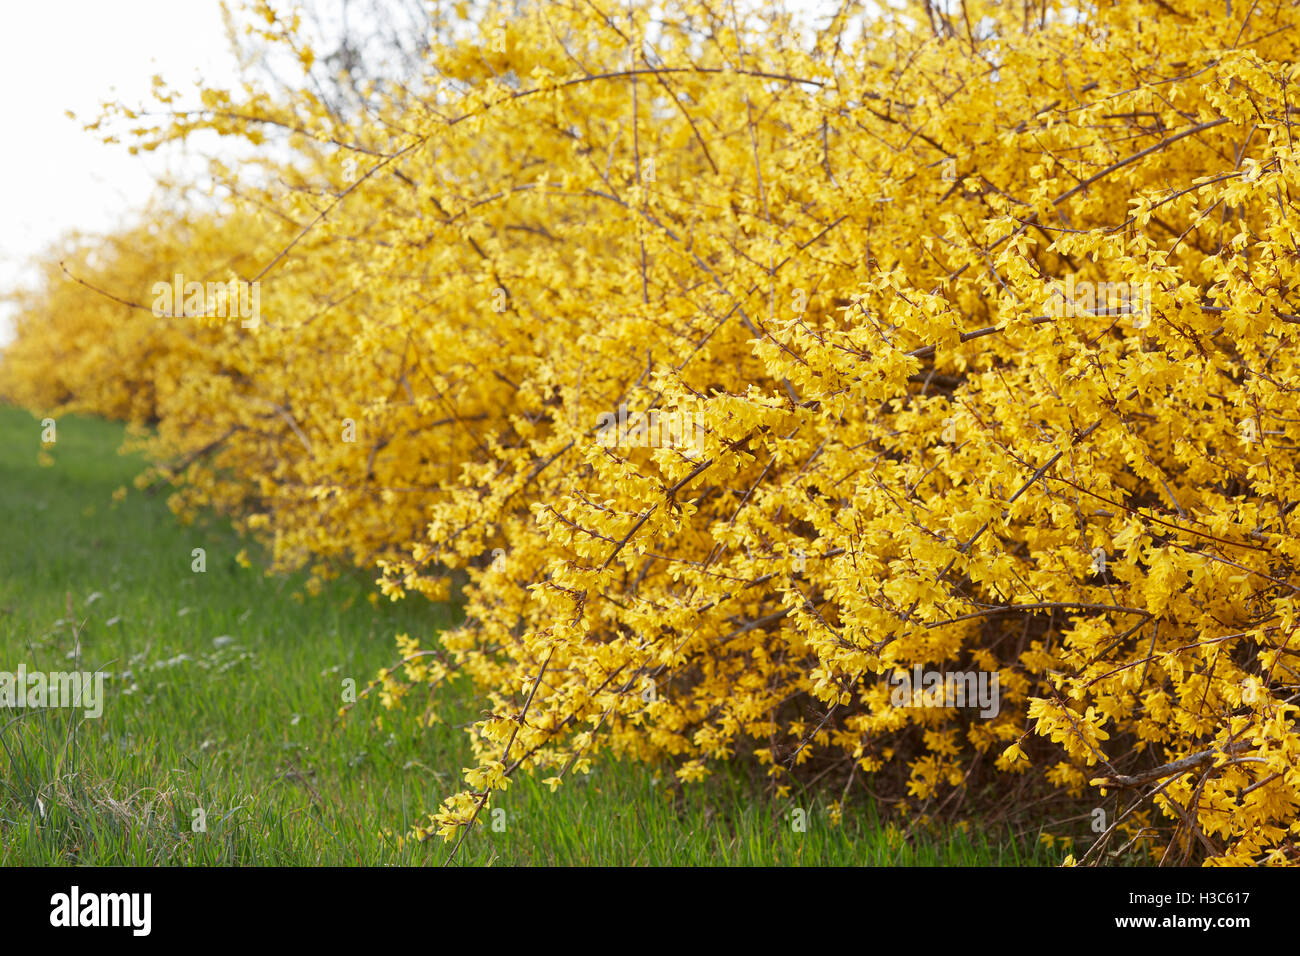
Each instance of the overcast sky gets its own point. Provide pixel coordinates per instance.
(60, 55)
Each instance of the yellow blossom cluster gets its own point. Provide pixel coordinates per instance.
(985, 325)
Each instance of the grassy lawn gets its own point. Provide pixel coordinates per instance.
(223, 695)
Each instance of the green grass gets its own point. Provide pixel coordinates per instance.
(223, 696)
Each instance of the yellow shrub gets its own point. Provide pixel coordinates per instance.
(745, 372)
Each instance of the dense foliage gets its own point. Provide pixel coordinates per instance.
(954, 336)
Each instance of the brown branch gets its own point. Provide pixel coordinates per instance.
(1175, 768)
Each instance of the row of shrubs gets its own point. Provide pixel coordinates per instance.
(762, 385)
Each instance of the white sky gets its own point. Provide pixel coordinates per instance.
(58, 55)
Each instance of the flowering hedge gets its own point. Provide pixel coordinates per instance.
(752, 374)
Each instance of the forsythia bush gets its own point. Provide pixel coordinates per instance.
(743, 366)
